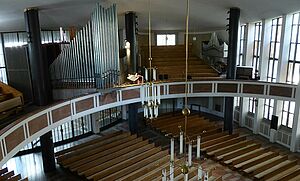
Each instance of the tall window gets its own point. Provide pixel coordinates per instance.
(242, 44)
(294, 55)
(256, 48)
(268, 108)
(165, 39)
(252, 104)
(3, 76)
(288, 114)
(274, 49)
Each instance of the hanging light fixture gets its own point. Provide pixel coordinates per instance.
(185, 144)
(150, 91)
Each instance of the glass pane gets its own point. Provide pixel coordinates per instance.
(296, 76)
(286, 105)
(296, 18)
(3, 77)
(270, 68)
(277, 50)
(266, 112)
(292, 107)
(2, 62)
(275, 69)
(291, 118)
(272, 49)
(273, 35)
(272, 102)
(171, 39)
(284, 118)
(290, 72)
(292, 51)
(279, 33)
(270, 113)
(161, 40)
(298, 53)
(294, 33)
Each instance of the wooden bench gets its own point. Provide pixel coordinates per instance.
(287, 174)
(238, 152)
(245, 157)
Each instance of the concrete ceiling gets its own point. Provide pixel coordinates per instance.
(205, 15)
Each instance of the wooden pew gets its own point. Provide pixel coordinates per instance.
(258, 168)
(230, 148)
(222, 144)
(220, 139)
(117, 151)
(3, 170)
(245, 157)
(287, 174)
(144, 170)
(255, 160)
(135, 166)
(14, 178)
(109, 160)
(6, 175)
(82, 145)
(275, 170)
(102, 173)
(238, 152)
(91, 146)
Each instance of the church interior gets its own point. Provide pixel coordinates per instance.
(171, 90)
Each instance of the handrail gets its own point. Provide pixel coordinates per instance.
(28, 128)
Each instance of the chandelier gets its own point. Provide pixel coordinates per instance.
(150, 91)
(185, 144)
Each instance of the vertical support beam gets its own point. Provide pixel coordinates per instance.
(130, 25)
(38, 67)
(296, 125)
(95, 122)
(264, 48)
(47, 147)
(234, 19)
(259, 114)
(244, 102)
(133, 119)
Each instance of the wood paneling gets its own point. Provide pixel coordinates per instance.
(84, 105)
(14, 139)
(108, 98)
(202, 88)
(253, 89)
(230, 88)
(281, 91)
(176, 89)
(61, 113)
(131, 94)
(37, 124)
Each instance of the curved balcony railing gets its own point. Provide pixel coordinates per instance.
(26, 129)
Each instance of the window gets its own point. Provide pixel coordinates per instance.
(165, 39)
(237, 101)
(252, 105)
(3, 76)
(242, 44)
(268, 108)
(293, 71)
(256, 47)
(288, 113)
(274, 49)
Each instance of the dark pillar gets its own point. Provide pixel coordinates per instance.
(234, 18)
(132, 118)
(38, 67)
(47, 147)
(130, 27)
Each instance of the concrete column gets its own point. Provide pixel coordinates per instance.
(234, 19)
(96, 123)
(296, 125)
(132, 117)
(47, 147)
(244, 102)
(259, 114)
(38, 67)
(264, 48)
(130, 26)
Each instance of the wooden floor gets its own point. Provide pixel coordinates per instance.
(239, 152)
